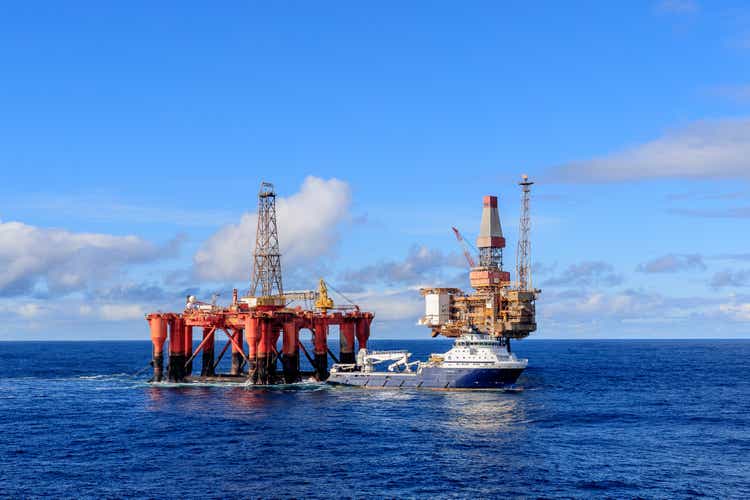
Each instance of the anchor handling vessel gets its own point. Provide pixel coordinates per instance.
(482, 322)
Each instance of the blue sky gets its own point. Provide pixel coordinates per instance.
(133, 137)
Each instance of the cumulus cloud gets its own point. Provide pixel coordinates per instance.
(119, 312)
(731, 278)
(308, 225)
(61, 261)
(392, 305)
(587, 273)
(705, 149)
(421, 263)
(673, 263)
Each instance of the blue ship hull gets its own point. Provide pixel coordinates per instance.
(431, 378)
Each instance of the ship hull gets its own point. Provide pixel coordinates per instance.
(431, 378)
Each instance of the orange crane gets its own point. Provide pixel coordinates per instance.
(465, 245)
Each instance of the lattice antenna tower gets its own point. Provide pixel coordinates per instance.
(523, 253)
(266, 277)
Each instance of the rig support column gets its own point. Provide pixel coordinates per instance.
(176, 367)
(253, 336)
(263, 358)
(320, 348)
(346, 342)
(236, 354)
(207, 370)
(188, 338)
(363, 331)
(158, 327)
(290, 352)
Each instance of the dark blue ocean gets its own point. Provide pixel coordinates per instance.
(620, 419)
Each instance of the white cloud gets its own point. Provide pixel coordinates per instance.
(308, 224)
(705, 149)
(392, 305)
(70, 311)
(120, 312)
(112, 311)
(738, 312)
(61, 261)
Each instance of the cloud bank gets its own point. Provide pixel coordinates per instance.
(717, 149)
(308, 224)
(34, 259)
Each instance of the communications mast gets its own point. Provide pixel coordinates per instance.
(523, 252)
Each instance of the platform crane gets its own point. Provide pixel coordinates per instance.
(465, 245)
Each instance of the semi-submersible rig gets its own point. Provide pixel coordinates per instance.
(483, 322)
(253, 324)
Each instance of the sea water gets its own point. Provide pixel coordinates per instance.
(621, 419)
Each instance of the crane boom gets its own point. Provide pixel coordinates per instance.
(465, 247)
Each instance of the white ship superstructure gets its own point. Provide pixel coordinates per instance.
(480, 351)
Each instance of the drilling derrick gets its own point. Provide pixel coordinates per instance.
(266, 275)
(495, 307)
(489, 274)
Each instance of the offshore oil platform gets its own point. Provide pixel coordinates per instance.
(498, 307)
(259, 319)
(482, 322)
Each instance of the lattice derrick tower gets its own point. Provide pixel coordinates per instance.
(266, 274)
